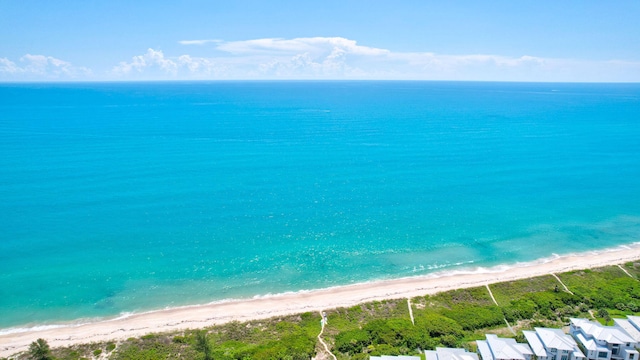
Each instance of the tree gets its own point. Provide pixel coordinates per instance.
(202, 344)
(604, 314)
(39, 350)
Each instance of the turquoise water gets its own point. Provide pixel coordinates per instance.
(127, 197)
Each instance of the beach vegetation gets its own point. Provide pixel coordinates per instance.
(603, 288)
(384, 349)
(633, 268)
(478, 296)
(507, 292)
(543, 297)
(158, 346)
(40, 350)
(436, 325)
(202, 344)
(179, 339)
(519, 310)
(471, 317)
(76, 352)
(352, 341)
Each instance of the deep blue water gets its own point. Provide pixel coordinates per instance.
(121, 197)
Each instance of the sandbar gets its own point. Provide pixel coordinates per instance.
(316, 300)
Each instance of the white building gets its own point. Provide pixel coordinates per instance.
(630, 325)
(553, 344)
(603, 342)
(635, 320)
(495, 348)
(399, 357)
(450, 354)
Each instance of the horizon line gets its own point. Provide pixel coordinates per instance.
(306, 80)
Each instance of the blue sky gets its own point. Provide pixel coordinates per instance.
(587, 40)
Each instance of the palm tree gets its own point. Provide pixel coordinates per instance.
(202, 344)
(39, 350)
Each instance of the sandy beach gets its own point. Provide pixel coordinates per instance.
(290, 303)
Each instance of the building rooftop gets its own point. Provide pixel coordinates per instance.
(536, 345)
(500, 348)
(556, 339)
(610, 334)
(635, 320)
(628, 328)
(590, 344)
(450, 354)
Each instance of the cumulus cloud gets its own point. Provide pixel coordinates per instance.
(151, 59)
(41, 67)
(155, 63)
(341, 58)
(336, 57)
(199, 66)
(306, 58)
(324, 58)
(8, 66)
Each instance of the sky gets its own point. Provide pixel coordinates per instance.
(123, 40)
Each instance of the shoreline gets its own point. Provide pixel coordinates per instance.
(262, 307)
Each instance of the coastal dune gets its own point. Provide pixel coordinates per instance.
(290, 303)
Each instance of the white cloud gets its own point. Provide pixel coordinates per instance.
(199, 42)
(340, 58)
(199, 66)
(42, 67)
(465, 67)
(8, 66)
(315, 46)
(299, 58)
(151, 59)
(324, 58)
(154, 64)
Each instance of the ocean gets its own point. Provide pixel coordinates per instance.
(128, 197)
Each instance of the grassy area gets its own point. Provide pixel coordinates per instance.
(455, 318)
(633, 268)
(507, 292)
(604, 288)
(472, 296)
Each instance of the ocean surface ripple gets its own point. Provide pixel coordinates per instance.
(130, 197)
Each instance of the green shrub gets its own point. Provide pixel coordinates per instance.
(384, 349)
(436, 325)
(472, 317)
(450, 341)
(40, 350)
(519, 310)
(352, 341)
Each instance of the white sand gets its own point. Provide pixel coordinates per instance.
(291, 303)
